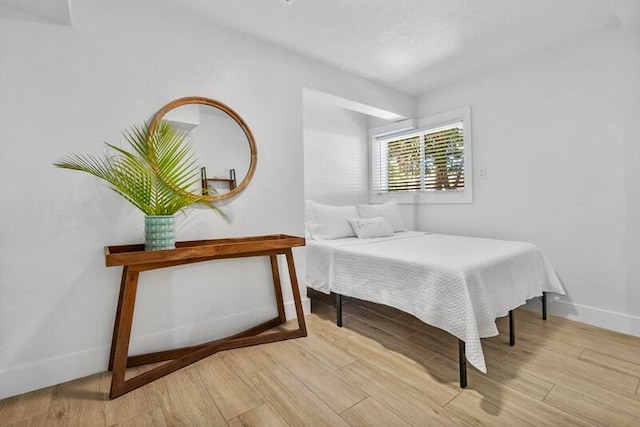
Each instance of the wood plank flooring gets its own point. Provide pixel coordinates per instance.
(383, 368)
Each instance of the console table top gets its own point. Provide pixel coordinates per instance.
(135, 254)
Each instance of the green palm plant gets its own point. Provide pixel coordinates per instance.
(132, 174)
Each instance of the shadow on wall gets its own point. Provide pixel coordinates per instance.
(56, 12)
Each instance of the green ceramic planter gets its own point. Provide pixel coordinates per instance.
(159, 233)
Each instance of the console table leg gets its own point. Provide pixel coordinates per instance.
(116, 323)
(277, 287)
(296, 293)
(123, 331)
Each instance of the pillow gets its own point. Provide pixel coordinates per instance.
(367, 228)
(331, 222)
(389, 211)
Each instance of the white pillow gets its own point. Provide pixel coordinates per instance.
(367, 228)
(389, 211)
(331, 222)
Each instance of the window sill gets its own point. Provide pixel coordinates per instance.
(424, 197)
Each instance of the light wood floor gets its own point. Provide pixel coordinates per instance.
(384, 368)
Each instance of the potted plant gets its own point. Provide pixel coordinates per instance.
(132, 175)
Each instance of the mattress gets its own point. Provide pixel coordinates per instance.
(458, 284)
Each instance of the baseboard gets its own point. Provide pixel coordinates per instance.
(57, 370)
(606, 319)
(290, 308)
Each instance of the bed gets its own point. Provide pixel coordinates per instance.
(458, 284)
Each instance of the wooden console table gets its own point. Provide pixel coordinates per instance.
(135, 259)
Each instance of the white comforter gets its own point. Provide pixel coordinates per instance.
(458, 284)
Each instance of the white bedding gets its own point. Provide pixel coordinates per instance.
(458, 284)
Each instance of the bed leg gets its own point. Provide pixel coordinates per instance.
(339, 310)
(512, 329)
(544, 306)
(463, 363)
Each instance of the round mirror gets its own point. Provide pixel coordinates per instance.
(225, 150)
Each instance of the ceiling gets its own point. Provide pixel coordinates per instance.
(415, 46)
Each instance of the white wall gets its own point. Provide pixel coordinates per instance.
(336, 155)
(65, 90)
(559, 138)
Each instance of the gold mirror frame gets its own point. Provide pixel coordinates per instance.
(235, 116)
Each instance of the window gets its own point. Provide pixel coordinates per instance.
(429, 165)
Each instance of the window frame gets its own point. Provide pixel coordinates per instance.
(419, 126)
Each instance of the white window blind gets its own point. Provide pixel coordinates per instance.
(431, 159)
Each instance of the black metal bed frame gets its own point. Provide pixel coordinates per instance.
(462, 358)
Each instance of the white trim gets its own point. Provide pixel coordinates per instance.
(57, 370)
(619, 322)
(290, 308)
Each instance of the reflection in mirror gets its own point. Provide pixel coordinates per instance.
(225, 151)
(222, 150)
